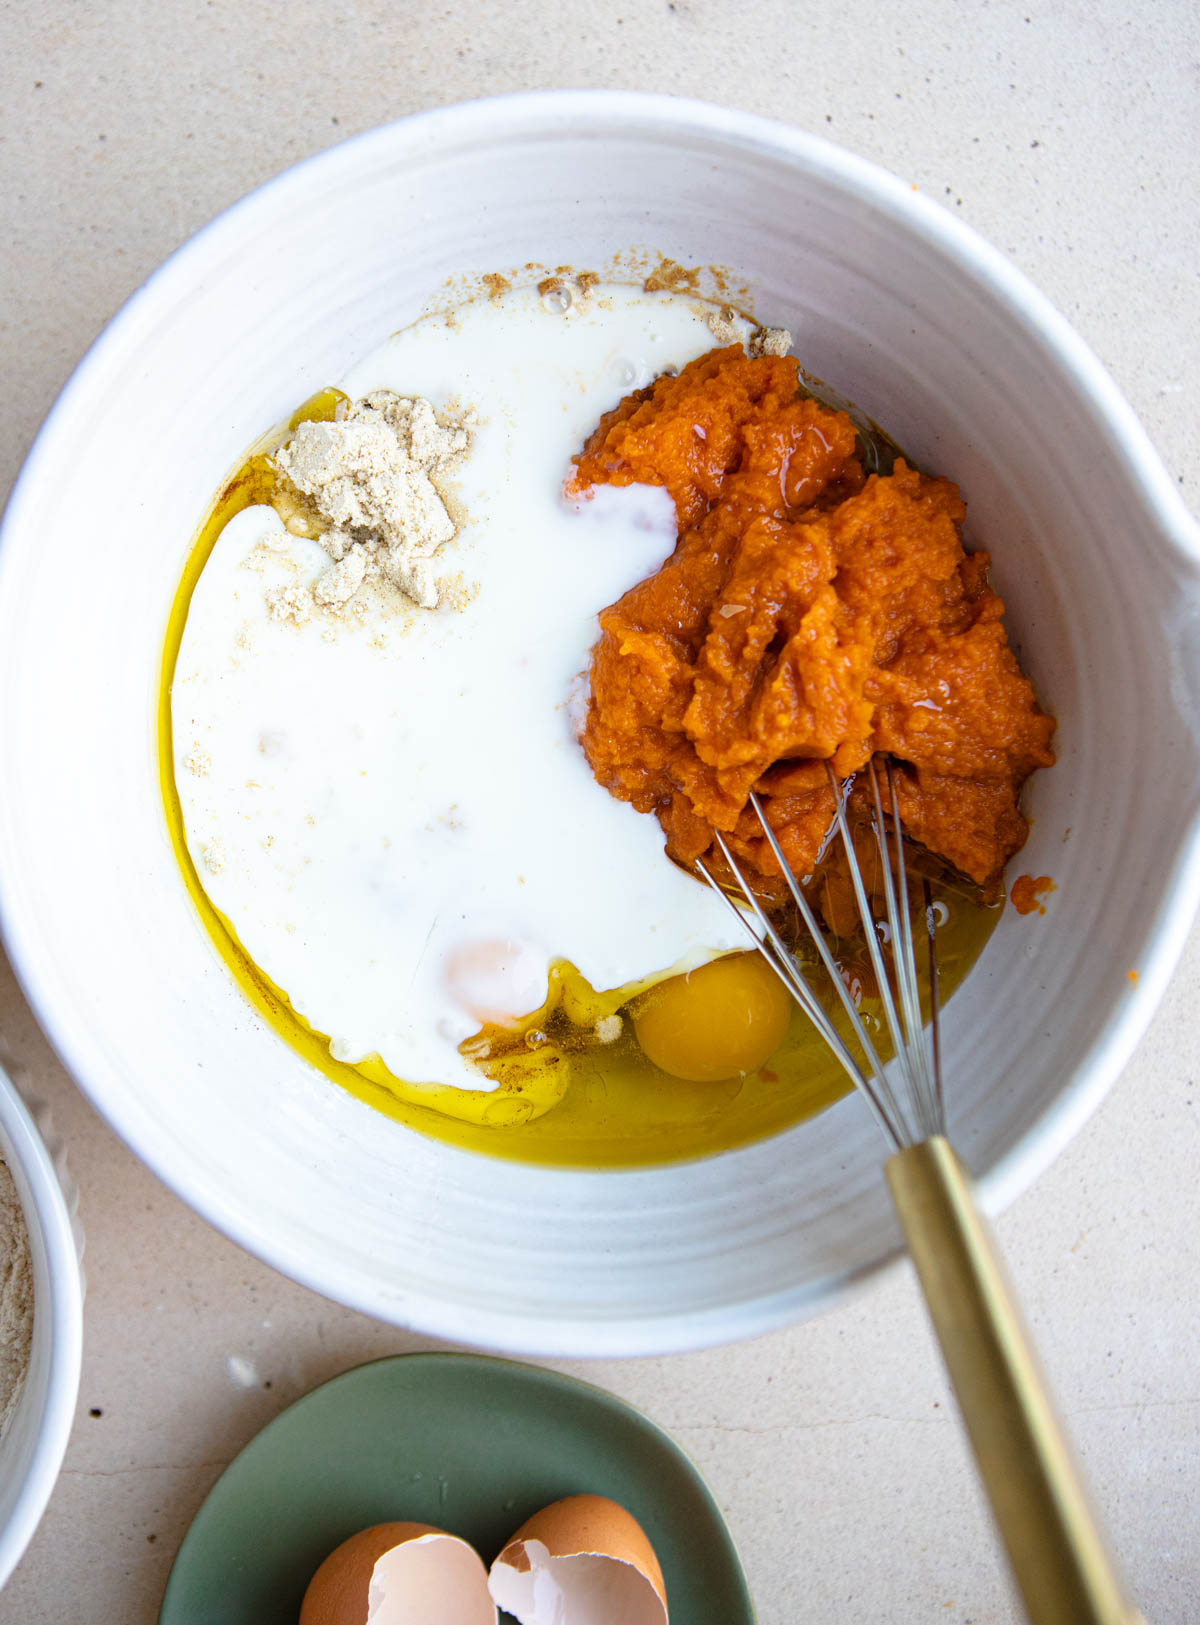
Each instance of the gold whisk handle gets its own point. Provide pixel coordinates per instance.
(1058, 1557)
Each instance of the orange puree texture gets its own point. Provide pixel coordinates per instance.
(808, 614)
(1027, 893)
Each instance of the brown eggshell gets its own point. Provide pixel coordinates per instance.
(586, 1526)
(339, 1593)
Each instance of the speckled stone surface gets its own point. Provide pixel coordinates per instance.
(1069, 135)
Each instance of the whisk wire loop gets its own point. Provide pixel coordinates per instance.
(895, 1025)
(935, 1012)
(883, 1100)
(917, 1055)
(779, 958)
(904, 959)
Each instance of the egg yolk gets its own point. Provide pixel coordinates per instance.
(722, 1019)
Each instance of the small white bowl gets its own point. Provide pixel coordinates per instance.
(908, 314)
(31, 1451)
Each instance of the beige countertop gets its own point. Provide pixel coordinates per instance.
(1069, 135)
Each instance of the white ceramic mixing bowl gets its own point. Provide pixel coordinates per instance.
(912, 317)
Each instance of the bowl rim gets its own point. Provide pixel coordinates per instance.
(542, 113)
(61, 1308)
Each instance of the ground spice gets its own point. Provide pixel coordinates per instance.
(374, 480)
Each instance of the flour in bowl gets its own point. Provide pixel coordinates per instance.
(16, 1298)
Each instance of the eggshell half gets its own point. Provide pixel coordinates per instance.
(582, 1561)
(400, 1574)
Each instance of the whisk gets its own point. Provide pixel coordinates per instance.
(1056, 1552)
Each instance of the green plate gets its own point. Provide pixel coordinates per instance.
(471, 1444)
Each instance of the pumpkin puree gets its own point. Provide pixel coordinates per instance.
(809, 614)
(1027, 893)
